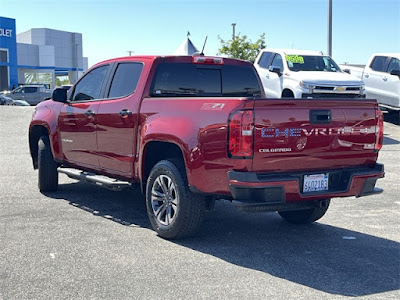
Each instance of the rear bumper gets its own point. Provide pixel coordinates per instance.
(275, 190)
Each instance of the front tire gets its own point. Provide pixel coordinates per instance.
(174, 211)
(305, 216)
(48, 175)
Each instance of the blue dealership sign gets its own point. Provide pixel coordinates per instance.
(8, 44)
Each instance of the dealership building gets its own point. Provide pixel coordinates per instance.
(39, 55)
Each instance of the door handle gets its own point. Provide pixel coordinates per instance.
(384, 78)
(89, 114)
(366, 75)
(125, 113)
(267, 76)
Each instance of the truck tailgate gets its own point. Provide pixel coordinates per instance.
(298, 135)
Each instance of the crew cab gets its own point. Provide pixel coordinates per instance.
(192, 130)
(304, 74)
(32, 94)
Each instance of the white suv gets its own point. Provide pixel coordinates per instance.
(304, 74)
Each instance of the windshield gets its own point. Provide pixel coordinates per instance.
(311, 63)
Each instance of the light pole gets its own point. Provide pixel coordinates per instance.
(233, 31)
(330, 27)
(130, 52)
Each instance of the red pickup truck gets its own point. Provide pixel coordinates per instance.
(192, 130)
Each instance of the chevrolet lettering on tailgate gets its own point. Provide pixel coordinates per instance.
(272, 132)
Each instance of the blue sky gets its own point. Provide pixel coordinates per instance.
(111, 28)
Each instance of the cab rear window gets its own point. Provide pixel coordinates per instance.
(193, 80)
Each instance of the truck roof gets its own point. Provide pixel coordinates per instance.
(295, 51)
(397, 55)
(175, 58)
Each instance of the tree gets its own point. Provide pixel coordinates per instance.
(62, 82)
(242, 48)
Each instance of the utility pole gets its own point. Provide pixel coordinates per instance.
(233, 31)
(330, 27)
(130, 52)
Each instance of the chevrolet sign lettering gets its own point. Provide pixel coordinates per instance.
(5, 32)
(296, 132)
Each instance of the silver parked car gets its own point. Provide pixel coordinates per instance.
(32, 94)
(4, 100)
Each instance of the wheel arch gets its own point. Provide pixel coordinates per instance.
(287, 93)
(35, 132)
(155, 151)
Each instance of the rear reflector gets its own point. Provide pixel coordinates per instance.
(240, 135)
(379, 130)
(208, 60)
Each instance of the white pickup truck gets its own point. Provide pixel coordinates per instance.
(381, 76)
(304, 74)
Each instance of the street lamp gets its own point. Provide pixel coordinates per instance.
(330, 27)
(233, 31)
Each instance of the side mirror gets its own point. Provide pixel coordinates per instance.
(347, 71)
(60, 95)
(276, 70)
(395, 72)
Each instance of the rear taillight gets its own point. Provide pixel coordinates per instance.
(379, 130)
(240, 135)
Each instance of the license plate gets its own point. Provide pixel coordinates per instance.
(315, 183)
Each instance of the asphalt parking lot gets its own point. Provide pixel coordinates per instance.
(85, 242)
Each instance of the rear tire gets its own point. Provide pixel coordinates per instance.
(48, 175)
(305, 216)
(174, 211)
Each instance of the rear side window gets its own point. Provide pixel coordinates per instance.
(89, 87)
(378, 63)
(265, 59)
(125, 79)
(191, 80)
(30, 89)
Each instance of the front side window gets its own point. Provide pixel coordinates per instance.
(378, 63)
(89, 87)
(19, 90)
(125, 79)
(277, 62)
(393, 65)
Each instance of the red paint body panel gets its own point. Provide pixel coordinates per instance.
(46, 116)
(285, 141)
(116, 146)
(78, 134)
(116, 135)
(200, 132)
